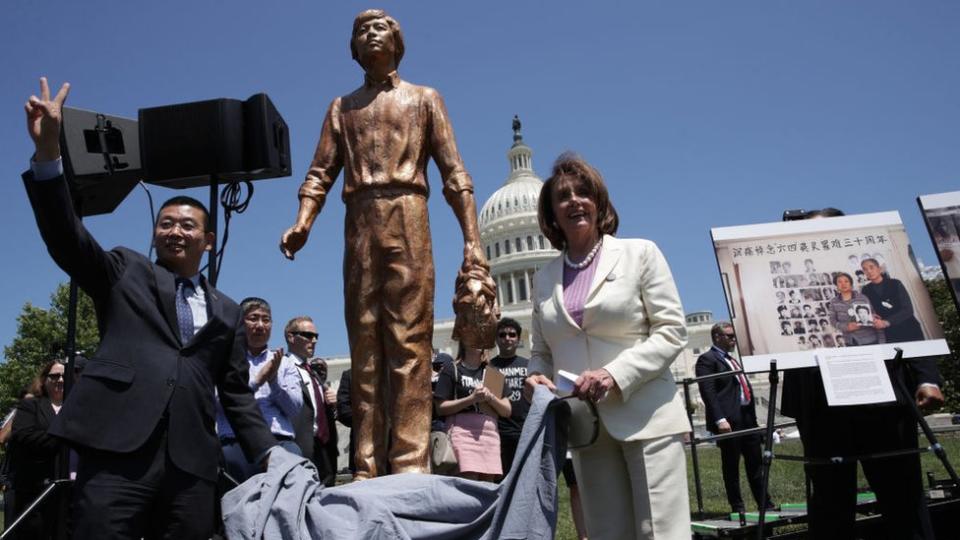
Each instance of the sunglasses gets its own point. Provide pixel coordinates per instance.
(54, 376)
(306, 335)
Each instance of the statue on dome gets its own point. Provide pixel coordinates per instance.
(382, 135)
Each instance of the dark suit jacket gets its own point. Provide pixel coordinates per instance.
(721, 396)
(303, 427)
(33, 451)
(141, 372)
(344, 405)
(345, 415)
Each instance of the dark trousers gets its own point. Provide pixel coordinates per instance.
(236, 464)
(325, 460)
(141, 494)
(508, 449)
(749, 447)
(896, 481)
(41, 523)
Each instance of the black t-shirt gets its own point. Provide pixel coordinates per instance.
(514, 372)
(470, 378)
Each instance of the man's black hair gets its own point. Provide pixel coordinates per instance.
(507, 322)
(183, 200)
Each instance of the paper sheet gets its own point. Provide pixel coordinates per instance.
(565, 382)
(854, 377)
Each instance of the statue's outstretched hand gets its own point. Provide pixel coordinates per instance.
(44, 119)
(293, 240)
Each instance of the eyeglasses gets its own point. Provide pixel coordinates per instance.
(306, 335)
(730, 336)
(54, 376)
(507, 334)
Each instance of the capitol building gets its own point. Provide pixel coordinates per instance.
(513, 243)
(516, 249)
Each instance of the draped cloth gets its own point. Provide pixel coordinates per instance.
(288, 501)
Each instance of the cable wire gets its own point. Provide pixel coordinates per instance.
(153, 217)
(230, 200)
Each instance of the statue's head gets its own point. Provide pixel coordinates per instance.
(373, 29)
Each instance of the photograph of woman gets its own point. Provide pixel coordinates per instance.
(843, 313)
(633, 477)
(892, 308)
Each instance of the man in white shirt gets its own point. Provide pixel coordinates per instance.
(316, 433)
(276, 385)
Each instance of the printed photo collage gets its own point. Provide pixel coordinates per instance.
(808, 306)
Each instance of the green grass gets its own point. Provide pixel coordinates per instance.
(786, 479)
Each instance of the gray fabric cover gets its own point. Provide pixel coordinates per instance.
(288, 502)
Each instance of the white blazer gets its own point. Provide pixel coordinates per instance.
(633, 326)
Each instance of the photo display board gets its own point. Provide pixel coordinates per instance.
(796, 287)
(941, 212)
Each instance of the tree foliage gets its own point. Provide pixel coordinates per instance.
(949, 365)
(41, 336)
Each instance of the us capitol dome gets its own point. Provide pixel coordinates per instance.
(516, 249)
(512, 241)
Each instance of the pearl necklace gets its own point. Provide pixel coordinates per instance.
(586, 261)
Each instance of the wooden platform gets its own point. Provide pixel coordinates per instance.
(728, 526)
(943, 512)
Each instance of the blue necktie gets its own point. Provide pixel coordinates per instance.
(184, 315)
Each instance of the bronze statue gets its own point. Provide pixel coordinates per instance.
(382, 135)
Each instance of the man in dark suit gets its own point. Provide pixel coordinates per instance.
(731, 407)
(345, 416)
(142, 416)
(828, 432)
(315, 428)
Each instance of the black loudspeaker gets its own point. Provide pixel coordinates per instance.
(185, 145)
(101, 159)
(266, 140)
(188, 144)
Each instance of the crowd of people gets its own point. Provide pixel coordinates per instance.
(178, 357)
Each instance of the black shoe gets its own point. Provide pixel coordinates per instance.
(772, 507)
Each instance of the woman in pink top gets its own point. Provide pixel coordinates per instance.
(607, 310)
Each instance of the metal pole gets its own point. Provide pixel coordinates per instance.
(931, 437)
(768, 446)
(693, 448)
(212, 270)
(62, 469)
(61, 527)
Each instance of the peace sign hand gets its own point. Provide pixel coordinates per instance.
(44, 118)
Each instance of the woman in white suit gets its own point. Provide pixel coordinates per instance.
(608, 310)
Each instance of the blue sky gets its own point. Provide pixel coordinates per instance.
(699, 114)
